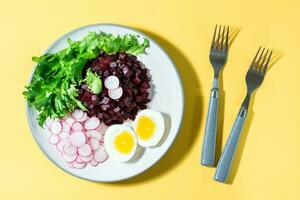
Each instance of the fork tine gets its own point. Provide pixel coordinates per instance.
(218, 40)
(227, 35)
(213, 40)
(222, 41)
(266, 65)
(261, 66)
(259, 59)
(254, 59)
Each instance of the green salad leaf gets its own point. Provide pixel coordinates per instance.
(94, 82)
(53, 87)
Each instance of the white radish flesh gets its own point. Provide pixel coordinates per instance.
(78, 165)
(87, 158)
(69, 158)
(69, 121)
(100, 155)
(102, 128)
(115, 93)
(94, 143)
(78, 139)
(65, 127)
(77, 114)
(83, 118)
(48, 122)
(76, 126)
(70, 165)
(79, 160)
(94, 163)
(111, 82)
(84, 150)
(92, 123)
(70, 150)
(54, 139)
(64, 135)
(94, 134)
(60, 146)
(56, 127)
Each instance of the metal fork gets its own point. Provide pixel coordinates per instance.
(218, 58)
(254, 78)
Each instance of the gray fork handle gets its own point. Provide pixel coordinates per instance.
(209, 143)
(224, 164)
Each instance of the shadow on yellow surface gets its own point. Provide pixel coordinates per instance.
(241, 146)
(191, 120)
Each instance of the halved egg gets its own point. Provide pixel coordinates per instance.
(149, 126)
(120, 142)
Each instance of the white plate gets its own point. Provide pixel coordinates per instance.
(167, 98)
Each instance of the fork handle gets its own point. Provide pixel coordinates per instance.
(224, 164)
(209, 143)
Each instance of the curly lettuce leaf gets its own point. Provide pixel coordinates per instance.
(94, 82)
(53, 91)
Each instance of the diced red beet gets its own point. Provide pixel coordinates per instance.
(133, 79)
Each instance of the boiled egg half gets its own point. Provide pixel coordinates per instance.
(149, 126)
(120, 142)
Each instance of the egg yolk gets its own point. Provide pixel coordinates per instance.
(145, 127)
(124, 142)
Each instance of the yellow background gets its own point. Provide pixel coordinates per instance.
(268, 164)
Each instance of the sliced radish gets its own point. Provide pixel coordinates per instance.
(70, 150)
(83, 118)
(60, 146)
(70, 165)
(115, 93)
(69, 158)
(100, 155)
(56, 127)
(94, 143)
(78, 139)
(77, 114)
(69, 120)
(92, 123)
(48, 122)
(54, 139)
(84, 150)
(102, 140)
(65, 127)
(102, 128)
(94, 163)
(64, 135)
(79, 160)
(76, 126)
(87, 158)
(78, 165)
(111, 82)
(94, 134)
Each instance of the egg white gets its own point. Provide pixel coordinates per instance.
(110, 135)
(159, 122)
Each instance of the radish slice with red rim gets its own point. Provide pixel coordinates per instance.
(56, 127)
(48, 122)
(92, 123)
(84, 150)
(77, 114)
(69, 121)
(111, 82)
(94, 143)
(102, 128)
(94, 134)
(64, 135)
(100, 155)
(83, 118)
(94, 163)
(79, 160)
(70, 150)
(76, 126)
(78, 139)
(78, 165)
(115, 93)
(65, 127)
(69, 158)
(87, 158)
(54, 139)
(60, 146)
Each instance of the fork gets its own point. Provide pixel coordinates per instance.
(254, 78)
(218, 58)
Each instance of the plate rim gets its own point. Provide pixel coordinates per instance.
(27, 106)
